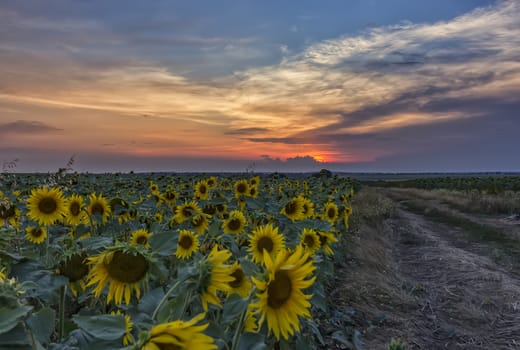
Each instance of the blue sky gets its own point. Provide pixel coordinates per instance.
(286, 86)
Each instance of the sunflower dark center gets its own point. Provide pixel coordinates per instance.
(37, 232)
(6, 211)
(305, 209)
(170, 195)
(142, 240)
(211, 183)
(265, 243)
(47, 205)
(290, 208)
(241, 188)
(98, 209)
(309, 241)
(198, 221)
(127, 268)
(220, 207)
(239, 278)
(234, 224)
(74, 208)
(203, 189)
(74, 268)
(187, 211)
(331, 213)
(186, 242)
(279, 290)
(323, 239)
(209, 209)
(252, 191)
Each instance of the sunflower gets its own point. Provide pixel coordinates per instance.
(200, 222)
(158, 217)
(293, 209)
(255, 180)
(75, 214)
(310, 241)
(76, 270)
(187, 244)
(98, 205)
(180, 335)
(241, 188)
(326, 238)
(128, 338)
(36, 234)
(170, 196)
(154, 188)
(74, 267)
(281, 300)
(212, 182)
(202, 190)
(186, 211)
(216, 276)
(123, 269)
(241, 285)
(253, 191)
(235, 223)
(46, 206)
(141, 237)
(11, 214)
(308, 207)
(331, 212)
(221, 209)
(265, 238)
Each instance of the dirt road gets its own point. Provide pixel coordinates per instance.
(423, 281)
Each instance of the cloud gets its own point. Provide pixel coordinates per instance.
(364, 96)
(247, 131)
(27, 127)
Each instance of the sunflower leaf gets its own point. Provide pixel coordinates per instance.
(233, 308)
(9, 317)
(105, 327)
(252, 341)
(42, 324)
(164, 243)
(16, 338)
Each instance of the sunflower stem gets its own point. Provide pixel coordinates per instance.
(238, 331)
(241, 321)
(61, 323)
(47, 243)
(164, 298)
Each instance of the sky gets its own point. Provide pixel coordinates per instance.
(242, 85)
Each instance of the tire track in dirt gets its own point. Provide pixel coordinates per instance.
(463, 299)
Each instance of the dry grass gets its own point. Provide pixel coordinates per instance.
(507, 202)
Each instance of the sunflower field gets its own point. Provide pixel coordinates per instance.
(161, 262)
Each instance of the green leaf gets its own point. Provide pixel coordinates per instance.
(42, 324)
(105, 327)
(234, 306)
(150, 300)
(9, 317)
(16, 338)
(95, 243)
(249, 268)
(251, 341)
(164, 243)
(172, 309)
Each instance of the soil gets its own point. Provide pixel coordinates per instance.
(412, 278)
